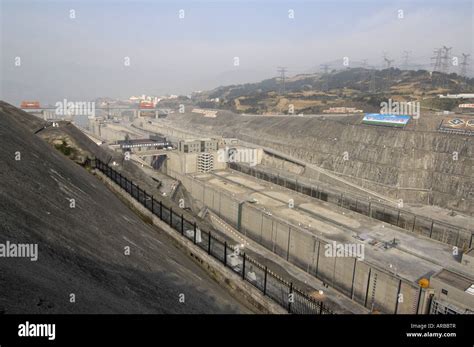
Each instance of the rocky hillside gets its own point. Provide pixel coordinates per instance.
(358, 87)
(81, 250)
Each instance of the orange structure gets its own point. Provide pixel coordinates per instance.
(146, 105)
(30, 104)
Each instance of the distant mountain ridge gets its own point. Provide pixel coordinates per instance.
(356, 87)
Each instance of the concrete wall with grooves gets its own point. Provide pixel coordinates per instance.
(306, 251)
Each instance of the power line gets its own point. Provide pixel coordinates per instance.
(464, 64)
(388, 62)
(437, 59)
(282, 71)
(372, 86)
(325, 68)
(445, 59)
(406, 57)
(388, 66)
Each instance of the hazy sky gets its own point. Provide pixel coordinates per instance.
(84, 57)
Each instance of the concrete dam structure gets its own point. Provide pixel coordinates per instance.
(393, 264)
(404, 251)
(417, 164)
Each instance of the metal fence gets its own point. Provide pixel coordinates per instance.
(434, 229)
(269, 283)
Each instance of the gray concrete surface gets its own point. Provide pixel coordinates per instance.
(298, 234)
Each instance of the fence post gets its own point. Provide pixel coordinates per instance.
(182, 224)
(161, 210)
(243, 267)
(152, 204)
(171, 216)
(289, 297)
(144, 197)
(225, 253)
(194, 232)
(320, 307)
(265, 282)
(209, 243)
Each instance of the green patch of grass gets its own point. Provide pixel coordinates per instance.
(65, 149)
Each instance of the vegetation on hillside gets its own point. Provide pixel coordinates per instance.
(360, 88)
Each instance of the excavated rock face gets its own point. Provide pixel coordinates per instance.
(82, 249)
(417, 164)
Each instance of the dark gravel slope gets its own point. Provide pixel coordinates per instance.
(81, 249)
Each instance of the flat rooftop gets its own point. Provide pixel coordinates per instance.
(198, 139)
(412, 258)
(454, 279)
